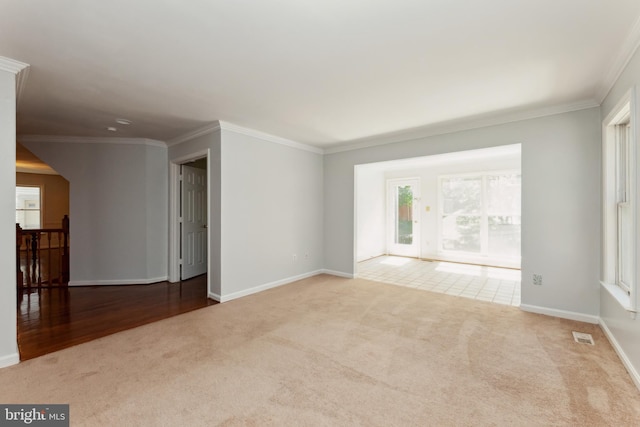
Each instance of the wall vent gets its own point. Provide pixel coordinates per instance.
(582, 338)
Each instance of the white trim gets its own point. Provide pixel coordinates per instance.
(213, 296)
(204, 130)
(90, 140)
(621, 296)
(9, 360)
(174, 217)
(338, 273)
(571, 315)
(626, 106)
(459, 125)
(264, 287)
(21, 83)
(118, 282)
(20, 69)
(196, 155)
(11, 65)
(628, 48)
(270, 138)
(621, 354)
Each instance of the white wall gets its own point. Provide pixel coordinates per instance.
(436, 166)
(624, 331)
(271, 209)
(371, 230)
(118, 209)
(560, 207)
(8, 334)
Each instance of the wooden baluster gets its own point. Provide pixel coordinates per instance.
(19, 277)
(38, 235)
(27, 240)
(60, 260)
(34, 257)
(65, 247)
(49, 281)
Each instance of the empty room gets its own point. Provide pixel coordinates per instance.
(396, 213)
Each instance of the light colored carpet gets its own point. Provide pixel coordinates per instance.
(331, 351)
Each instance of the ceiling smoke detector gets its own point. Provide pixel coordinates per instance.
(124, 122)
(112, 129)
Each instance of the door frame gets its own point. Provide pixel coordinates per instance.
(174, 214)
(416, 249)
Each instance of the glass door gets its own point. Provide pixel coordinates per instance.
(403, 219)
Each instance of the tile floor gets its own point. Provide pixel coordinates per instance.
(498, 285)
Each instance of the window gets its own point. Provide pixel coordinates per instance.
(480, 214)
(619, 204)
(28, 207)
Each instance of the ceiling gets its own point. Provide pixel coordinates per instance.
(323, 73)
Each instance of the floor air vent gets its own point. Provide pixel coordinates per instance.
(583, 338)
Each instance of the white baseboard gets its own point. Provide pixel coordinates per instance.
(214, 297)
(264, 287)
(580, 317)
(338, 273)
(11, 359)
(117, 282)
(621, 354)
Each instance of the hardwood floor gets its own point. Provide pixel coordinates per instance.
(51, 319)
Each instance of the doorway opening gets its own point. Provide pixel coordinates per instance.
(460, 211)
(403, 219)
(189, 242)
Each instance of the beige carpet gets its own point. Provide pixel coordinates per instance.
(331, 351)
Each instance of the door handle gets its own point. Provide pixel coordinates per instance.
(204, 226)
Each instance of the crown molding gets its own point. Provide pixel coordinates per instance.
(459, 126)
(21, 82)
(20, 69)
(90, 140)
(267, 137)
(11, 65)
(204, 130)
(625, 54)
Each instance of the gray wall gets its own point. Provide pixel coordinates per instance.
(118, 209)
(560, 206)
(271, 209)
(624, 329)
(8, 333)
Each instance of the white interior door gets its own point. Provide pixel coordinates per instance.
(403, 217)
(194, 222)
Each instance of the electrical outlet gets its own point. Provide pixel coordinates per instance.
(537, 279)
(295, 257)
(306, 255)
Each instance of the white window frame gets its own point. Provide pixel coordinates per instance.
(484, 227)
(620, 193)
(41, 195)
